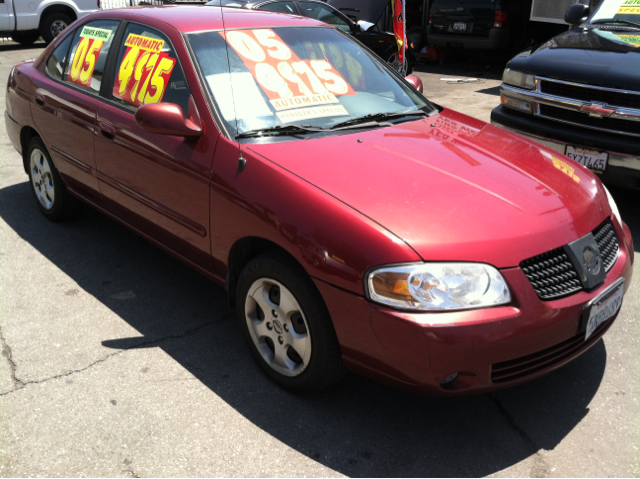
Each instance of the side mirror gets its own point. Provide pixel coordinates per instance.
(167, 119)
(365, 26)
(415, 83)
(577, 14)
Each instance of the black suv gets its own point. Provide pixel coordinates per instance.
(502, 25)
(579, 93)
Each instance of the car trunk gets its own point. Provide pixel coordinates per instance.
(463, 17)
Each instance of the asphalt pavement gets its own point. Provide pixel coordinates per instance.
(118, 360)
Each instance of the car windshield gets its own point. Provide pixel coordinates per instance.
(612, 11)
(316, 77)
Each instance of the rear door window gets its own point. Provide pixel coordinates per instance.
(57, 60)
(148, 70)
(286, 7)
(89, 51)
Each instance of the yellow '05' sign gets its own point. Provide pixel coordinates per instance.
(86, 55)
(144, 72)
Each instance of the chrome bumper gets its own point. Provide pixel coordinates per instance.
(620, 160)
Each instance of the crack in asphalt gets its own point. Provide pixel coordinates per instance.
(23, 384)
(6, 352)
(540, 467)
(131, 471)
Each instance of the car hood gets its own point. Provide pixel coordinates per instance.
(605, 58)
(452, 187)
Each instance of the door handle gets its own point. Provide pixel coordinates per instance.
(39, 99)
(107, 131)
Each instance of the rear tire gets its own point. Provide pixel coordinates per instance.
(52, 197)
(26, 38)
(54, 24)
(287, 326)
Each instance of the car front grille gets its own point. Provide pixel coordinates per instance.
(586, 93)
(614, 125)
(530, 364)
(553, 275)
(607, 243)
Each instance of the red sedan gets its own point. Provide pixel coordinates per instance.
(354, 224)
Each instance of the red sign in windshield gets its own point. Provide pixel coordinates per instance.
(289, 82)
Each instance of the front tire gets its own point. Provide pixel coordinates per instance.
(287, 326)
(53, 199)
(54, 24)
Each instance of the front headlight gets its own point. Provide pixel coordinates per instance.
(613, 206)
(438, 286)
(519, 79)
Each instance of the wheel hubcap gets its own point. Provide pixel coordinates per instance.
(42, 179)
(278, 327)
(57, 27)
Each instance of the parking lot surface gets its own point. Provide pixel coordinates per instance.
(118, 360)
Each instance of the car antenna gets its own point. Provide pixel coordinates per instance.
(242, 162)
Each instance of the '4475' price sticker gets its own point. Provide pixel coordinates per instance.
(86, 55)
(144, 72)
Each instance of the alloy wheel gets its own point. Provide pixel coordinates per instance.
(278, 327)
(57, 27)
(42, 179)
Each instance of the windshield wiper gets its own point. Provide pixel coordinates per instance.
(278, 130)
(614, 20)
(376, 117)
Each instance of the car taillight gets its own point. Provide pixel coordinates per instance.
(430, 16)
(98, 4)
(500, 19)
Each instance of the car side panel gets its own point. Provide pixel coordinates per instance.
(66, 119)
(18, 100)
(266, 201)
(159, 183)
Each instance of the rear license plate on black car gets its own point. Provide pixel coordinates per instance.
(459, 27)
(595, 160)
(603, 307)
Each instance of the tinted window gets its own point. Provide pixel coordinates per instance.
(286, 7)
(91, 44)
(324, 14)
(56, 62)
(148, 70)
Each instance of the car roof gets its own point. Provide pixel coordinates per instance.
(197, 18)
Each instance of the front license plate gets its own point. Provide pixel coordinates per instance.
(595, 160)
(604, 307)
(459, 27)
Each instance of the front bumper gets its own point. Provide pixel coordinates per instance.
(498, 39)
(623, 168)
(416, 351)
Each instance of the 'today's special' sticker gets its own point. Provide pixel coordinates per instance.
(295, 88)
(630, 7)
(86, 55)
(144, 72)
